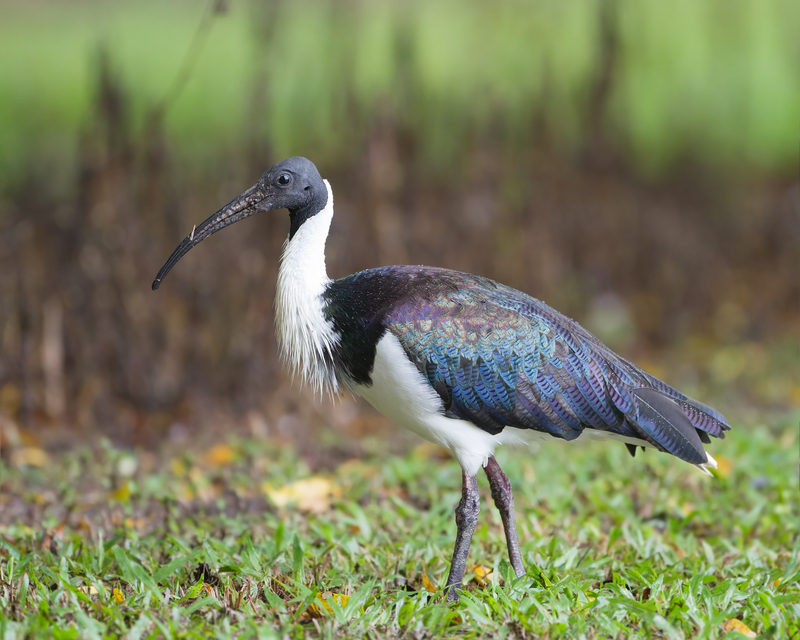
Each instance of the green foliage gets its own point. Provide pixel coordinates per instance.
(712, 80)
(613, 546)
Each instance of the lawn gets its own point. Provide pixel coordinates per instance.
(242, 539)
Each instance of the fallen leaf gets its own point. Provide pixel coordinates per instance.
(483, 575)
(178, 467)
(122, 493)
(427, 584)
(135, 523)
(84, 525)
(219, 455)
(118, 596)
(724, 466)
(28, 438)
(323, 603)
(310, 495)
(737, 625)
(31, 457)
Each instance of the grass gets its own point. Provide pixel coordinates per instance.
(244, 540)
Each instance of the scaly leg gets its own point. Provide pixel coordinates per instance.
(466, 520)
(504, 501)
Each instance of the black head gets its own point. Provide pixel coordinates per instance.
(293, 184)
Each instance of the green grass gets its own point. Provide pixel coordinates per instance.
(614, 547)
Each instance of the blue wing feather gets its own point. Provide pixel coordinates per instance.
(499, 357)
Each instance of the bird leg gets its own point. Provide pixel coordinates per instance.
(466, 520)
(504, 501)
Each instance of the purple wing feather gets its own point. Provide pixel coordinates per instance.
(499, 357)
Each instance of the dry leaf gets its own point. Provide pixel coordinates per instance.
(219, 455)
(178, 467)
(483, 575)
(427, 584)
(209, 590)
(122, 493)
(135, 523)
(724, 466)
(84, 525)
(311, 495)
(30, 456)
(737, 625)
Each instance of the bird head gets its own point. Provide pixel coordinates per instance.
(293, 184)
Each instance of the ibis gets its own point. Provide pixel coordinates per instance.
(461, 360)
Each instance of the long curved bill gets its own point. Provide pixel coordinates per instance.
(250, 202)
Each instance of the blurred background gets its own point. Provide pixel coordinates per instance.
(633, 164)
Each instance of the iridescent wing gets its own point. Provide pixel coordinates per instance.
(498, 357)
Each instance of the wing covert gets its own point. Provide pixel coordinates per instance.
(497, 360)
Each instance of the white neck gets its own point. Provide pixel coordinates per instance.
(305, 337)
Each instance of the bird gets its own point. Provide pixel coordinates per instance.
(461, 360)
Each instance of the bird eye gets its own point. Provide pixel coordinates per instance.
(284, 179)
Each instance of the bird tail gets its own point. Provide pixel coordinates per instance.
(706, 420)
(672, 422)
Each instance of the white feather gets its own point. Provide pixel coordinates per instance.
(305, 337)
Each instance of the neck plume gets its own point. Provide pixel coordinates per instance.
(306, 338)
